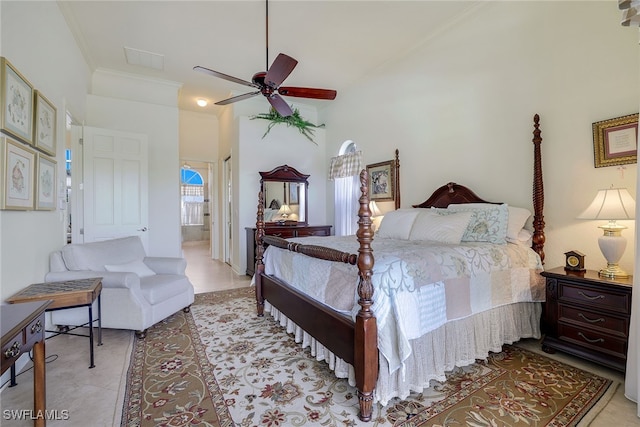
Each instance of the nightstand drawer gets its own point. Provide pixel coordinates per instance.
(603, 298)
(586, 319)
(598, 341)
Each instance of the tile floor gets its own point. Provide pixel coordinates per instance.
(93, 397)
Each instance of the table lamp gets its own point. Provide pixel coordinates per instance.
(611, 204)
(375, 214)
(284, 211)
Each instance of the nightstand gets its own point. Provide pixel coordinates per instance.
(588, 316)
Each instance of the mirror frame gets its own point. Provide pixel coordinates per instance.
(286, 173)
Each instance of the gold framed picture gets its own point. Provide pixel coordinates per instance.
(381, 181)
(615, 141)
(16, 103)
(16, 181)
(44, 127)
(45, 183)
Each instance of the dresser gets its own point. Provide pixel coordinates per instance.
(588, 316)
(284, 231)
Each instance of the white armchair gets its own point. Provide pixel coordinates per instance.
(137, 291)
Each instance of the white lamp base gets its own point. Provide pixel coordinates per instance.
(612, 244)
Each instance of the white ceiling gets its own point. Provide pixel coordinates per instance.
(335, 42)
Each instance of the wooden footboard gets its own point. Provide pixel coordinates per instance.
(354, 342)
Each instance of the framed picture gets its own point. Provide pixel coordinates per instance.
(44, 126)
(45, 183)
(381, 181)
(16, 99)
(615, 141)
(294, 188)
(18, 171)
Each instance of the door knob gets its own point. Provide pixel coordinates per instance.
(143, 229)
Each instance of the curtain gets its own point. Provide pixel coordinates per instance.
(346, 165)
(192, 202)
(630, 17)
(344, 171)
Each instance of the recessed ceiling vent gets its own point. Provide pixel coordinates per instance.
(144, 58)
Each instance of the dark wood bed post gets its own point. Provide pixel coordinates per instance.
(397, 180)
(366, 332)
(259, 255)
(538, 192)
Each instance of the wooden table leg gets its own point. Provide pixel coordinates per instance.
(39, 386)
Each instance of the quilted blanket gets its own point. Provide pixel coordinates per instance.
(418, 286)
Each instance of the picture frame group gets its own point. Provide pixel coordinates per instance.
(27, 144)
(615, 141)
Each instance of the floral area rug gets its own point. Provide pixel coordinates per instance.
(221, 365)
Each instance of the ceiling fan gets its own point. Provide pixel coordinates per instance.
(268, 82)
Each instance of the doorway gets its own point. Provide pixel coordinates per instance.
(197, 211)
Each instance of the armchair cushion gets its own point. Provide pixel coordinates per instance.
(138, 267)
(93, 256)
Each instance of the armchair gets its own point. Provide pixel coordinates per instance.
(137, 291)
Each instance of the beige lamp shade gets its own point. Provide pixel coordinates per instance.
(284, 211)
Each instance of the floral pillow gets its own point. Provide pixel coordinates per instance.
(488, 222)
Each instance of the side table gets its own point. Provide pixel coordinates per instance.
(67, 294)
(588, 316)
(22, 330)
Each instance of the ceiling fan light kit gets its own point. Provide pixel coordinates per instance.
(268, 82)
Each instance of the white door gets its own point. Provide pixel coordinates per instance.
(228, 223)
(115, 186)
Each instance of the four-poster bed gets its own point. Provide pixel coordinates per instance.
(352, 343)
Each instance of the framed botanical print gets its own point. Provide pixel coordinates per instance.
(381, 181)
(16, 102)
(44, 126)
(18, 171)
(45, 183)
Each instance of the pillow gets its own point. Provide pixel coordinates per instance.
(525, 238)
(432, 226)
(397, 224)
(137, 267)
(517, 219)
(488, 223)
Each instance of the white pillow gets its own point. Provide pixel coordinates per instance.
(397, 224)
(517, 219)
(432, 226)
(488, 223)
(525, 238)
(137, 267)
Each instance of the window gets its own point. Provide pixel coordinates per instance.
(347, 193)
(192, 197)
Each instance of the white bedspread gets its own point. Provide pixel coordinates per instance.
(428, 286)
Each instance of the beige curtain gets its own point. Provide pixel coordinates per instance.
(630, 17)
(345, 165)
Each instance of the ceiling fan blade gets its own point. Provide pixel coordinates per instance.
(307, 92)
(238, 98)
(224, 76)
(280, 70)
(280, 105)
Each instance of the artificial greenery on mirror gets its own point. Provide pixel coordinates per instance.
(306, 128)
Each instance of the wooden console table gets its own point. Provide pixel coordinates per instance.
(22, 330)
(67, 294)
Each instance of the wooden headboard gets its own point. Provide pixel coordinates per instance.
(448, 194)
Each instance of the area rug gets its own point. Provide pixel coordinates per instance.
(221, 365)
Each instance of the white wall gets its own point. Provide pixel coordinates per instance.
(459, 108)
(199, 139)
(148, 107)
(34, 37)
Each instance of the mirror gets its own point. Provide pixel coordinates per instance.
(285, 196)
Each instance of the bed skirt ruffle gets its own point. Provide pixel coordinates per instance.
(465, 340)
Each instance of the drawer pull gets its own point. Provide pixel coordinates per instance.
(12, 351)
(591, 341)
(590, 297)
(600, 319)
(36, 327)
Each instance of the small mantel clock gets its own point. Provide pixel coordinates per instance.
(574, 261)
